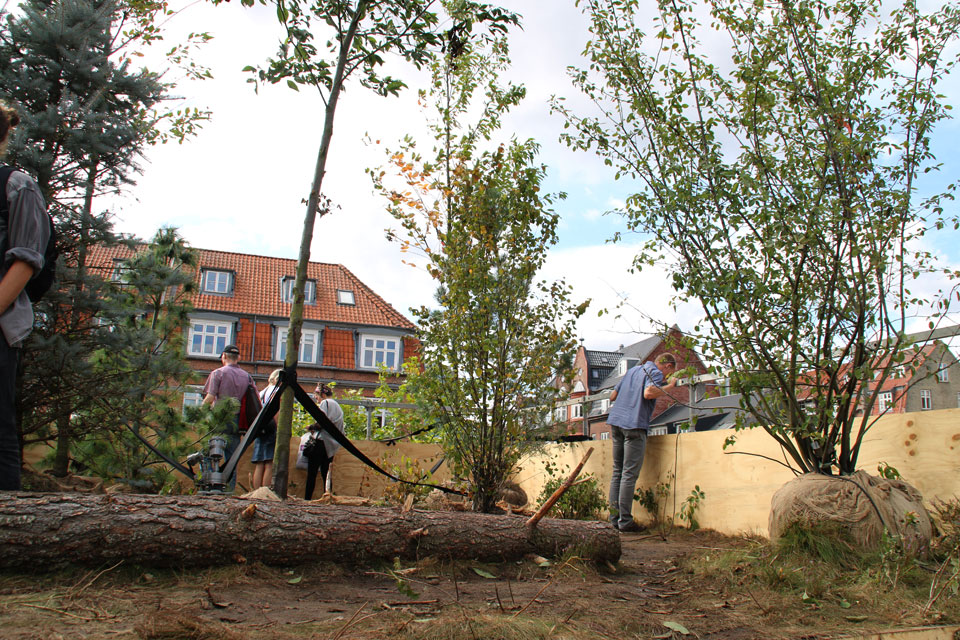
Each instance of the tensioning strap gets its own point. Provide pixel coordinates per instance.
(289, 378)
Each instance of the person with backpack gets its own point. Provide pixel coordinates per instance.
(25, 231)
(230, 381)
(320, 447)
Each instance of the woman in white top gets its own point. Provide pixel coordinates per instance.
(320, 455)
(265, 443)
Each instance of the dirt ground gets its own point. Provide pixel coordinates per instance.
(649, 594)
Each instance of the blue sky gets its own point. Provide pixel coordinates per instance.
(239, 185)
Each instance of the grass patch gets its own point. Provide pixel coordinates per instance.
(818, 575)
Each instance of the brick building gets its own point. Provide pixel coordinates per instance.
(927, 379)
(598, 372)
(348, 330)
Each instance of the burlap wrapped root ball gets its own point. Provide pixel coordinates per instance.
(815, 499)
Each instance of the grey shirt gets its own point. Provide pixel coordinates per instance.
(25, 238)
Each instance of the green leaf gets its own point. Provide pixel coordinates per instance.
(484, 574)
(293, 85)
(844, 604)
(295, 580)
(676, 626)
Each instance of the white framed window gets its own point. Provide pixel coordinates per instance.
(377, 350)
(213, 281)
(309, 342)
(657, 431)
(605, 435)
(208, 337)
(942, 373)
(926, 400)
(309, 291)
(560, 414)
(884, 400)
(605, 405)
(191, 399)
(576, 411)
(345, 296)
(622, 367)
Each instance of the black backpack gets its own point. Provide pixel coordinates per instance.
(41, 282)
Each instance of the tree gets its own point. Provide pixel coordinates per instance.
(778, 178)
(491, 348)
(142, 369)
(362, 34)
(398, 422)
(87, 114)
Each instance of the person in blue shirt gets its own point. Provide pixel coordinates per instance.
(634, 399)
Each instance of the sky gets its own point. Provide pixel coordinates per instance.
(240, 185)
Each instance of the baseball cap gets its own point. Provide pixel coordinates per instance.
(231, 349)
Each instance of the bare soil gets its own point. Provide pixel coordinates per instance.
(654, 592)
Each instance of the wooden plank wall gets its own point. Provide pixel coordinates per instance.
(350, 476)
(924, 447)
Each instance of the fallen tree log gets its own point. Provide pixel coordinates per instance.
(46, 531)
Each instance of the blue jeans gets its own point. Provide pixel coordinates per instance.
(629, 446)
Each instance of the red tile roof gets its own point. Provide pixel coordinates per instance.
(257, 288)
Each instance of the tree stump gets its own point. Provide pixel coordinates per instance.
(44, 531)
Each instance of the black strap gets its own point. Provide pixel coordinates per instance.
(392, 441)
(327, 425)
(288, 378)
(173, 463)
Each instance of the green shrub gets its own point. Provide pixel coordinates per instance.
(583, 501)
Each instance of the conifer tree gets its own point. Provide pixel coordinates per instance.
(87, 114)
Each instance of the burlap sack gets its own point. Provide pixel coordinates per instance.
(862, 504)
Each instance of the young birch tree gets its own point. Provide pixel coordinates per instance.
(360, 34)
(482, 227)
(778, 171)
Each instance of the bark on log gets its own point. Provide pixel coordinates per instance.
(46, 531)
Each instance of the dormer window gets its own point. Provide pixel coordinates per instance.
(309, 291)
(217, 282)
(345, 296)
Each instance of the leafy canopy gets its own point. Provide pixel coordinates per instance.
(777, 149)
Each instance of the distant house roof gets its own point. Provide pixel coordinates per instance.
(638, 351)
(257, 288)
(605, 359)
(719, 412)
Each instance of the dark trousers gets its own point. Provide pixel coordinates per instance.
(9, 440)
(320, 461)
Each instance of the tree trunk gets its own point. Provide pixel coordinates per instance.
(46, 531)
(285, 416)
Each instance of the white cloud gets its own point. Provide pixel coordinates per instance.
(630, 300)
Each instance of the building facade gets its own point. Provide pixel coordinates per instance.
(599, 372)
(348, 331)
